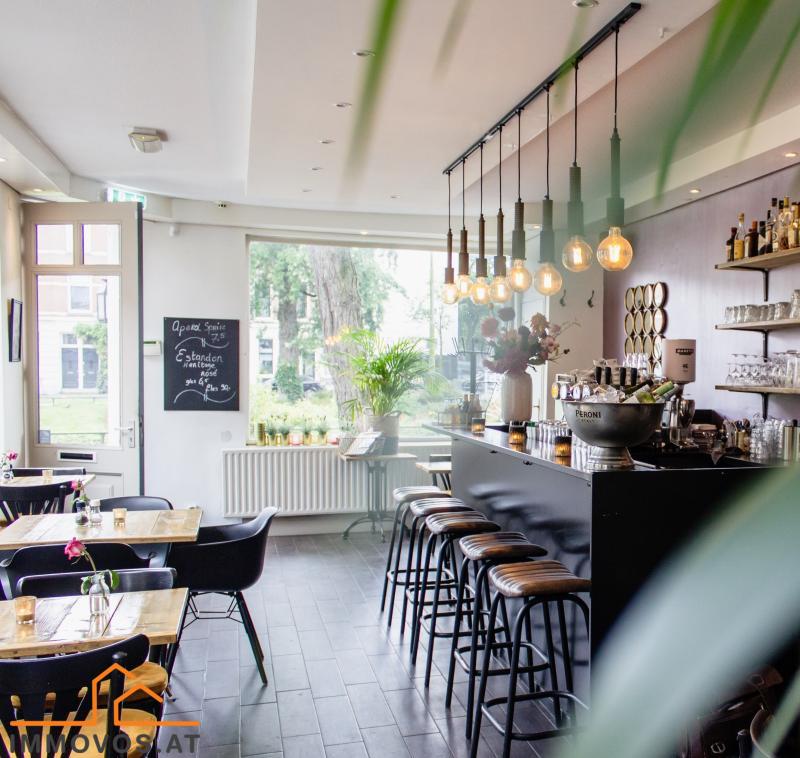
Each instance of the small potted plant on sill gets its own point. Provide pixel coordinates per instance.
(284, 429)
(308, 431)
(99, 584)
(272, 431)
(322, 430)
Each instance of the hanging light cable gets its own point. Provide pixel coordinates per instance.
(464, 282)
(520, 278)
(547, 280)
(450, 289)
(479, 291)
(577, 254)
(500, 292)
(615, 252)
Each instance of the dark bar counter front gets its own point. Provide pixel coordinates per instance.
(614, 527)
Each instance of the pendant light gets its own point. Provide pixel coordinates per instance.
(615, 252)
(577, 254)
(449, 290)
(500, 292)
(547, 280)
(479, 291)
(464, 282)
(520, 278)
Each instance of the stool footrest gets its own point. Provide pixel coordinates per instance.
(539, 695)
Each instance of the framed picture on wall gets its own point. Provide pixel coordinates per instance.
(14, 330)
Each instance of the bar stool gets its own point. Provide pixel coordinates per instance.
(445, 529)
(534, 583)
(481, 552)
(403, 497)
(419, 510)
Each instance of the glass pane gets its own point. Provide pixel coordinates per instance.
(79, 381)
(54, 244)
(101, 244)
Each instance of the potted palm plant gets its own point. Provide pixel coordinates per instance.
(383, 374)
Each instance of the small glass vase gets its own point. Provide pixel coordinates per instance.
(98, 595)
(8, 472)
(80, 513)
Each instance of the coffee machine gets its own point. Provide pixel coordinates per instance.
(679, 362)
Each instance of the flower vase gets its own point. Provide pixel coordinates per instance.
(8, 472)
(98, 595)
(516, 397)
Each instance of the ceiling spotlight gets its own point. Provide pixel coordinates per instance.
(316, 168)
(305, 190)
(146, 140)
(790, 154)
(694, 191)
(364, 53)
(393, 197)
(37, 190)
(327, 141)
(536, 226)
(343, 105)
(364, 232)
(585, 3)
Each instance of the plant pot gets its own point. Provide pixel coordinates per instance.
(278, 440)
(516, 397)
(308, 438)
(389, 427)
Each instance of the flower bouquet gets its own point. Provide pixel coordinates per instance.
(7, 463)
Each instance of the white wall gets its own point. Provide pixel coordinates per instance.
(12, 424)
(201, 272)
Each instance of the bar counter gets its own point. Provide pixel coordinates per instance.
(614, 527)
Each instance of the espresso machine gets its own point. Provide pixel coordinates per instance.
(679, 362)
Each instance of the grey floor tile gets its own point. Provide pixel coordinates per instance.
(385, 742)
(390, 672)
(354, 667)
(224, 645)
(191, 655)
(261, 729)
(351, 750)
(290, 672)
(252, 690)
(369, 705)
(221, 751)
(325, 679)
(181, 740)
(410, 713)
(297, 713)
(336, 720)
(283, 640)
(220, 722)
(315, 645)
(222, 680)
(187, 691)
(342, 636)
(279, 614)
(427, 746)
(303, 746)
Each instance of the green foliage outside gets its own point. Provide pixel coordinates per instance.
(62, 416)
(288, 383)
(97, 334)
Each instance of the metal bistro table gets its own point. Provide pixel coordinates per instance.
(376, 473)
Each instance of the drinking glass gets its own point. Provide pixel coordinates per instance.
(795, 309)
(730, 314)
(792, 369)
(751, 312)
(782, 310)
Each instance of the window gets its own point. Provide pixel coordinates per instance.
(392, 292)
(79, 297)
(54, 244)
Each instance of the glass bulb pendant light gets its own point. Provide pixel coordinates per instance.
(615, 253)
(547, 280)
(576, 254)
(464, 281)
(499, 291)
(449, 289)
(519, 279)
(479, 291)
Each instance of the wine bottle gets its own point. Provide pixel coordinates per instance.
(751, 245)
(648, 396)
(775, 218)
(786, 219)
(794, 229)
(739, 240)
(729, 245)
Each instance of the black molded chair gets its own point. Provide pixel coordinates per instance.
(62, 585)
(60, 687)
(31, 501)
(56, 471)
(50, 559)
(157, 551)
(225, 560)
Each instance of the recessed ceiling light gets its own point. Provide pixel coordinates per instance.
(343, 104)
(364, 53)
(694, 191)
(364, 232)
(327, 141)
(316, 168)
(305, 190)
(37, 190)
(393, 197)
(790, 154)
(537, 226)
(585, 3)
(146, 140)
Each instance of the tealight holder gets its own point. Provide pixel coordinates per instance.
(295, 439)
(516, 434)
(478, 425)
(25, 609)
(47, 475)
(120, 516)
(563, 446)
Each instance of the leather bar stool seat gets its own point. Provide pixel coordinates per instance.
(504, 546)
(425, 508)
(403, 495)
(539, 578)
(469, 522)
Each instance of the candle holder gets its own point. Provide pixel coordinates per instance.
(25, 609)
(47, 475)
(478, 425)
(120, 516)
(516, 434)
(563, 446)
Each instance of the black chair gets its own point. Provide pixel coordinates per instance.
(50, 559)
(225, 560)
(61, 687)
(31, 501)
(56, 471)
(62, 585)
(157, 551)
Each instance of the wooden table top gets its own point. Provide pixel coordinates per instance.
(436, 467)
(380, 457)
(63, 624)
(139, 527)
(37, 481)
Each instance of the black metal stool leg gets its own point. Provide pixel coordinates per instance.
(451, 672)
(390, 556)
(480, 580)
(512, 677)
(444, 550)
(420, 605)
(419, 551)
(412, 536)
(551, 659)
(487, 655)
(396, 573)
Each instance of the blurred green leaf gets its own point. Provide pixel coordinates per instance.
(735, 22)
(384, 29)
(784, 717)
(454, 26)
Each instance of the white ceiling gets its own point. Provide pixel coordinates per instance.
(245, 91)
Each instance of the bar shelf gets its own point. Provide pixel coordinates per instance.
(761, 326)
(763, 262)
(758, 390)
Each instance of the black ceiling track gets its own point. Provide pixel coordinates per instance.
(626, 14)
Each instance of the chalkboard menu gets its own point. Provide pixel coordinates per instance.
(201, 364)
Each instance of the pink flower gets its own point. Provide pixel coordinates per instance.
(11, 455)
(549, 343)
(489, 328)
(74, 549)
(538, 323)
(554, 329)
(76, 486)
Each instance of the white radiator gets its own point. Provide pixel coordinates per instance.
(303, 481)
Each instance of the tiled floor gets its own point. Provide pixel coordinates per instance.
(340, 685)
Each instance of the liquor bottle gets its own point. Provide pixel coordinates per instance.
(794, 229)
(774, 229)
(738, 243)
(776, 232)
(623, 377)
(729, 245)
(768, 224)
(648, 396)
(786, 219)
(751, 244)
(633, 388)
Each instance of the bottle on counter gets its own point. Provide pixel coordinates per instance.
(739, 239)
(788, 443)
(751, 243)
(794, 229)
(786, 218)
(762, 238)
(648, 395)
